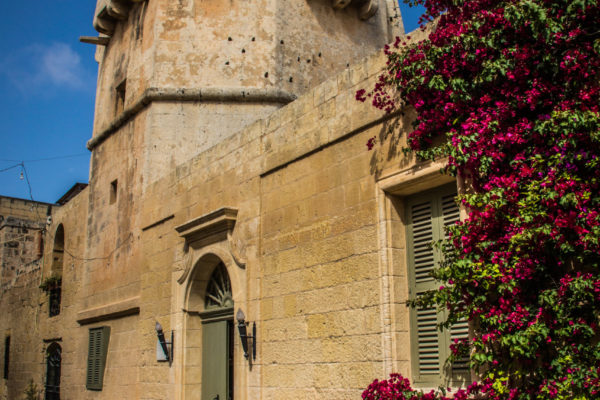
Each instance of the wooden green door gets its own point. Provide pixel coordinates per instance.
(217, 338)
(216, 357)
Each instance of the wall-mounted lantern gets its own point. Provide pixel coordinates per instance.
(248, 341)
(164, 349)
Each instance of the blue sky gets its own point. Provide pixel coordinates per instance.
(48, 81)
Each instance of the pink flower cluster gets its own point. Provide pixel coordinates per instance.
(514, 88)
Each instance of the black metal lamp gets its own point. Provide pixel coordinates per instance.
(166, 347)
(242, 328)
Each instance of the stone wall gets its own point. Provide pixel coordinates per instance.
(319, 228)
(21, 225)
(313, 244)
(21, 256)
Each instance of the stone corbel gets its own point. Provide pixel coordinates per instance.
(366, 8)
(103, 22)
(340, 4)
(108, 12)
(118, 9)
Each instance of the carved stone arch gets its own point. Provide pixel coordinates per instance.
(194, 256)
(198, 279)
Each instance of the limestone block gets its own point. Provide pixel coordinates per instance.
(284, 329)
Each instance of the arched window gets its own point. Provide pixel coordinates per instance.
(218, 292)
(53, 361)
(55, 289)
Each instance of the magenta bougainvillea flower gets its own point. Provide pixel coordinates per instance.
(513, 86)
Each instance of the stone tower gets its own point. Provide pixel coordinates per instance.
(189, 73)
(176, 77)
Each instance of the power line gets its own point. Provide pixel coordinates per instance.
(48, 158)
(11, 167)
(53, 237)
(28, 185)
(58, 157)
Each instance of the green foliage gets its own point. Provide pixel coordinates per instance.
(514, 88)
(32, 392)
(51, 282)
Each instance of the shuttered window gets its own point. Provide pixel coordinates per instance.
(427, 215)
(97, 349)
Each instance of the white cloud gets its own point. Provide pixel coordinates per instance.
(63, 65)
(36, 67)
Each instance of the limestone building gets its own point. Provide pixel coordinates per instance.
(229, 173)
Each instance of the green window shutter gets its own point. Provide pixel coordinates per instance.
(427, 215)
(97, 350)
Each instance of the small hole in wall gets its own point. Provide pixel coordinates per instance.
(243, 51)
(226, 62)
(266, 74)
(281, 42)
(298, 59)
(291, 79)
(229, 39)
(319, 54)
(253, 39)
(308, 61)
(113, 192)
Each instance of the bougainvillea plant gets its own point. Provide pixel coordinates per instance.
(509, 92)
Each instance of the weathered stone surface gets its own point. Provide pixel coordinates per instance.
(192, 116)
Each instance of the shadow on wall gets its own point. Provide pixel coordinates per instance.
(391, 141)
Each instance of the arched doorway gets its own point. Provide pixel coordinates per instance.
(53, 363)
(209, 363)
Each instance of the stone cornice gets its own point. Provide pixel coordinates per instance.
(211, 224)
(106, 312)
(212, 94)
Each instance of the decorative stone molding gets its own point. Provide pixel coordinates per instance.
(119, 309)
(419, 177)
(212, 225)
(366, 8)
(209, 94)
(216, 226)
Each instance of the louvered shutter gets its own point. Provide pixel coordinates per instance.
(460, 330)
(97, 350)
(422, 262)
(427, 216)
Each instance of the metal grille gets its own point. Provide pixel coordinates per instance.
(54, 301)
(53, 366)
